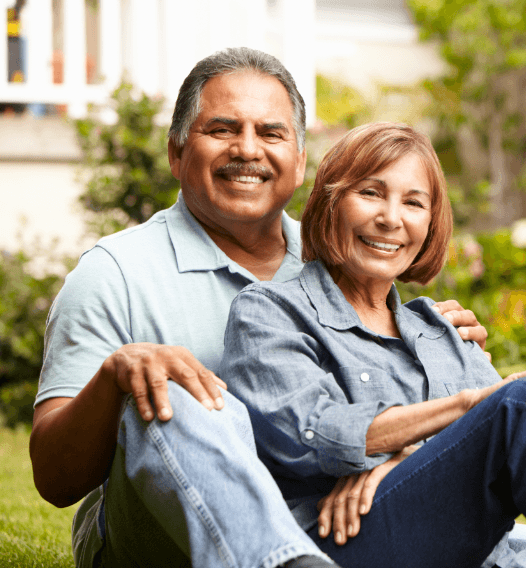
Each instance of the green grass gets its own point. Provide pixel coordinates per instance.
(33, 533)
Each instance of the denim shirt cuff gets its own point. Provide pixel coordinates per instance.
(338, 438)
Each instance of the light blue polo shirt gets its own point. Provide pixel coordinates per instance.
(164, 282)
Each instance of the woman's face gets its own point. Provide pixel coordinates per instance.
(383, 221)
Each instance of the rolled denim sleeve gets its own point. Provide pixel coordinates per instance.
(303, 415)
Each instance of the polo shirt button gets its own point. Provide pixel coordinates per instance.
(309, 434)
(364, 377)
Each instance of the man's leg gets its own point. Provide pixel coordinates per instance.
(204, 465)
(453, 500)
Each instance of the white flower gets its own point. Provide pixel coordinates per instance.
(518, 233)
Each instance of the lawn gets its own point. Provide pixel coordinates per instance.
(33, 533)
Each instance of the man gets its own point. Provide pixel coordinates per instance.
(237, 145)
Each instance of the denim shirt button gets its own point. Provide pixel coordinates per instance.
(309, 434)
(364, 377)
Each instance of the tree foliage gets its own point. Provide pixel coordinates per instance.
(130, 176)
(479, 103)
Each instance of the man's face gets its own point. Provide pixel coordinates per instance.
(240, 163)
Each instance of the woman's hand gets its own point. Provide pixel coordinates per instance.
(351, 497)
(475, 396)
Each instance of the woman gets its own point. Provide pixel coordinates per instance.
(342, 381)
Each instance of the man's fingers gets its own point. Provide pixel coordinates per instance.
(447, 306)
(158, 390)
(189, 379)
(476, 333)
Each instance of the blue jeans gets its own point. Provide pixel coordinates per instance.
(452, 501)
(200, 466)
(448, 504)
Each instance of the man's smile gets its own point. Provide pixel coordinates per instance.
(245, 179)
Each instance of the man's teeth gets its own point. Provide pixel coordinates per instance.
(246, 179)
(383, 246)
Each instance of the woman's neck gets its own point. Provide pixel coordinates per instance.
(369, 299)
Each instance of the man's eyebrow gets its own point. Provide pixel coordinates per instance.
(222, 120)
(275, 126)
(410, 192)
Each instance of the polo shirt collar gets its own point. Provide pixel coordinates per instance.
(336, 312)
(196, 251)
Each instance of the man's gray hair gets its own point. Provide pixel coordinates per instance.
(232, 60)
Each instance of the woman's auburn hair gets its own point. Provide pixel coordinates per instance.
(362, 152)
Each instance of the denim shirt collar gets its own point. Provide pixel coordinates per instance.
(336, 312)
(196, 251)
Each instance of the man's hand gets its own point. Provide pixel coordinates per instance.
(143, 369)
(465, 321)
(351, 497)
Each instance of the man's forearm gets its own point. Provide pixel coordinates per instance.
(72, 445)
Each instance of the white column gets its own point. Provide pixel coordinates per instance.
(298, 32)
(143, 63)
(3, 46)
(38, 30)
(110, 43)
(75, 56)
(181, 47)
(250, 23)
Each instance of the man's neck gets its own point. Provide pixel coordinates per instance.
(258, 249)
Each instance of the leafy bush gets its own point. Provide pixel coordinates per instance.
(128, 162)
(486, 274)
(25, 300)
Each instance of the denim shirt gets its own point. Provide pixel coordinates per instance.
(314, 377)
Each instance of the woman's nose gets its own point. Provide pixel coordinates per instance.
(247, 146)
(390, 216)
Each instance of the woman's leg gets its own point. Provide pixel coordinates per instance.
(201, 467)
(453, 500)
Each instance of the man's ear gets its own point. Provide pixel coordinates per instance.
(174, 157)
(301, 164)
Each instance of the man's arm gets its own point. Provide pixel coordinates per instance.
(73, 439)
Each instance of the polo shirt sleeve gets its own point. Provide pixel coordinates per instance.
(302, 418)
(88, 321)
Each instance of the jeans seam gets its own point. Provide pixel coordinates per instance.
(191, 495)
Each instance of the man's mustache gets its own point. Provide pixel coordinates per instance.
(241, 169)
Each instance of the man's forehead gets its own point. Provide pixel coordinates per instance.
(250, 90)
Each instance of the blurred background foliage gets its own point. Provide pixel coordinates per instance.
(475, 115)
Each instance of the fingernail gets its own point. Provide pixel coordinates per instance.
(362, 510)
(164, 414)
(436, 308)
(219, 402)
(322, 531)
(148, 415)
(208, 404)
(339, 537)
(449, 317)
(349, 530)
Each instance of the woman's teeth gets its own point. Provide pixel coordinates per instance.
(381, 246)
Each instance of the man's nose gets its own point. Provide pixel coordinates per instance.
(247, 146)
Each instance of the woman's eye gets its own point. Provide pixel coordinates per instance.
(415, 204)
(369, 192)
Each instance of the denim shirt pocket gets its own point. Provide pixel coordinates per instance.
(367, 384)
